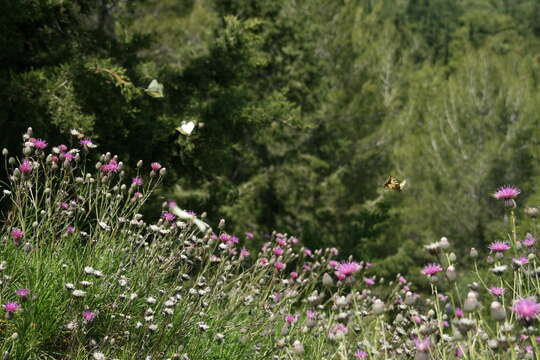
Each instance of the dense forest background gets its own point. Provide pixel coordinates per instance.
(303, 109)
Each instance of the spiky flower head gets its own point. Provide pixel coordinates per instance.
(432, 269)
(506, 193)
(12, 307)
(499, 246)
(497, 291)
(526, 308)
(529, 240)
(348, 268)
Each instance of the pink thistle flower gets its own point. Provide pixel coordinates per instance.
(155, 166)
(263, 261)
(249, 235)
(369, 281)
(291, 319)
(70, 229)
(294, 275)
(522, 260)
(276, 297)
(244, 252)
(167, 216)
(529, 240)
(26, 166)
(499, 246)
(311, 315)
(458, 312)
(278, 251)
(111, 167)
(87, 143)
(308, 252)
(526, 308)
(137, 195)
(63, 205)
(333, 264)
(17, 234)
(402, 280)
(422, 345)
(281, 242)
(497, 291)
(62, 148)
(12, 307)
(137, 181)
(348, 268)
(40, 144)
(306, 267)
(506, 193)
(68, 156)
(340, 276)
(88, 316)
(279, 266)
(294, 240)
(360, 354)
(432, 269)
(22, 293)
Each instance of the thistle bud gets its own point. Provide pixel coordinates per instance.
(162, 171)
(298, 348)
(451, 273)
(12, 161)
(532, 212)
(139, 164)
(378, 307)
(5, 152)
(327, 280)
(471, 303)
(443, 243)
(221, 224)
(473, 253)
(497, 311)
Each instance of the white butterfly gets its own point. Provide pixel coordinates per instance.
(155, 89)
(186, 128)
(184, 215)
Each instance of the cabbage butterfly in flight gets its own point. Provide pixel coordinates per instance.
(155, 89)
(186, 128)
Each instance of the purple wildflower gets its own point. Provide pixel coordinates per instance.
(497, 291)
(529, 240)
(26, 166)
(12, 307)
(17, 234)
(137, 181)
(279, 266)
(155, 166)
(88, 316)
(40, 144)
(348, 268)
(506, 192)
(360, 354)
(167, 216)
(250, 235)
(62, 148)
(22, 293)
(432, 269)
(422, 344)
(87, 144)
(499, 246)
(526, 308)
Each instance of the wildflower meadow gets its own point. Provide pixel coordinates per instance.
(85, 276)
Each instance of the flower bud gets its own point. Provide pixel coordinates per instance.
(162, 171)
(471, 303)
(452, 257)
(5, 152)
(378, 307)
(221, 224)
(444, 243)
(298, 348)
(532, 212)
(497, 311)
(327, 280)
(473, 253)
(139, 164)
(451, 273)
